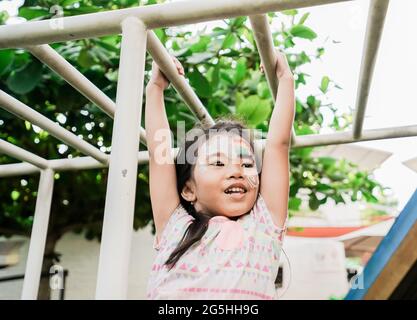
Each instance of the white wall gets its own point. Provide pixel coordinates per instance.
(317, 269)
(80, 257)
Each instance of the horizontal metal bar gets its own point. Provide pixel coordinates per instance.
(21, 110)
(58, 165)
(265, 44)
(167, 66)
(22, 154)
(21, 276)
(74, 164)
(311, 140)
(154, 16)
(81, 163)
(76, 79)
(18, 169)
(375, 25)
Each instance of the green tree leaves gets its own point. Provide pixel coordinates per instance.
(324, 84)
(294, 203)
(302, 31)
(200, 83)
(201, 45)
(6, 60)
(254, 109)
(304, 18)
(240, 70)
(229, 41)
(26, 78)
(15, 195)
(85, 59)
(33, 13)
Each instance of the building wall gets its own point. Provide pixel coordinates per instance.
(316, 269)
(80, 257)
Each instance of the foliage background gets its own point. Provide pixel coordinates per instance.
(222, 65)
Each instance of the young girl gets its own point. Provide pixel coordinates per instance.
(219, 230)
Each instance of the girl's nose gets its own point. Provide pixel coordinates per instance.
(235, 170)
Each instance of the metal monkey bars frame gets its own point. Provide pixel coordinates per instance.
(135, 25)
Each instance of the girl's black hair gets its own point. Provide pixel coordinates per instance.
(184, 171)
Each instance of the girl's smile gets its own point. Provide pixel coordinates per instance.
(226, 163)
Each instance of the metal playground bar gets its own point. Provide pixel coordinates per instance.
(135, 25)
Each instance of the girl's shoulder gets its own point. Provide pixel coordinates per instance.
(262, 216)
(177, 223)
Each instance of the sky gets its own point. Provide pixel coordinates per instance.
(391, 101)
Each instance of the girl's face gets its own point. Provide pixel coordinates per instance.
(224, 160)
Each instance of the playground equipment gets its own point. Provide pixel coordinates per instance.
(391, 273)
(135, 25)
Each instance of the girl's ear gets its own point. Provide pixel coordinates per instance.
(188, 191)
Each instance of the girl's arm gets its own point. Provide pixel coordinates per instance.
(162, 176)
(275, 165)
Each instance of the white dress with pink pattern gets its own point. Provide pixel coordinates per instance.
(233, 260)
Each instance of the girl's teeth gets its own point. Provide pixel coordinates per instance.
(236, 190)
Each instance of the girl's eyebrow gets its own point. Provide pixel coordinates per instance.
(241, 155)
(216, 154)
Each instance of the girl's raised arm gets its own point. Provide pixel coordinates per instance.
(275, 165)
(162, 176)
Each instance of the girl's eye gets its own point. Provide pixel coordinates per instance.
(248, 165)
(218, 163)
